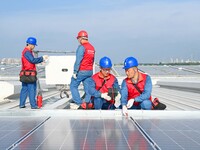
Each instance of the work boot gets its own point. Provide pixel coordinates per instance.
(22, 106)
(83, 106)
(90, 105)
(35, 107)
(74, 106)
(86, 106)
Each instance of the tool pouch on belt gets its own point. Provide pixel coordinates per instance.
(157, 105)
(112, 92)
(28, 76)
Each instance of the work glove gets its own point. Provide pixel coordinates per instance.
(125, 110)
(105, 96)
(117, 100)
(130, 103)
(45, 57)
(74, 76)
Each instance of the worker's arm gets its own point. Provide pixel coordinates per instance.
(79, 56)
(29, 56)
(124, 93)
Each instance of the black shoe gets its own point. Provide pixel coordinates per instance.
(80, 107)
(35, 108)
(22, 106)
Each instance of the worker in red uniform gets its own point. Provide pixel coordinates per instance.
(136, 88)
(83, 69)
(28, 63)
(103, 82)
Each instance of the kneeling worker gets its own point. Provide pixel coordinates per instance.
(104, 87)
(136, 88)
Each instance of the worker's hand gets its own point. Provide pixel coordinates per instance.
(130, 103)
(105, 96)
(74, 76)
(45, 57)
(125, 110)
(117, 100)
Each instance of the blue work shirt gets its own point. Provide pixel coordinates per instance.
(144, 96)
(79, 56)
(29, 56)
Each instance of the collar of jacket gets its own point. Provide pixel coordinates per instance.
(140, 78)
(102, 76)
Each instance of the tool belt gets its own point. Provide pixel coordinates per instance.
(28, 76)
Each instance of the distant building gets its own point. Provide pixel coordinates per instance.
(10, 61)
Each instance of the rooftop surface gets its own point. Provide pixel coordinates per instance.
(56, 127)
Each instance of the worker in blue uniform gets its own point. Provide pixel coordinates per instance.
(104, 87)
(136, 88)
(28, 64)
(83, 69)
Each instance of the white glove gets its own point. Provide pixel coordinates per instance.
(130, 103)
(74, 76)
(105, 96)
(117, 100)
(45, 57)
(125, 110)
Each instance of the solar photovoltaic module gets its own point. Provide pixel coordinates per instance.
(173, 133)
(99, 130)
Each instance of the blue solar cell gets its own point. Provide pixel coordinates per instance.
(103, 133)
(86, 133)
(175, 132)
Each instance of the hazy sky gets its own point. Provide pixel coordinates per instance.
(150, 30)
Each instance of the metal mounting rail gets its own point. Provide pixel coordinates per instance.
(54, 51)
(14, 145)
(148, 138)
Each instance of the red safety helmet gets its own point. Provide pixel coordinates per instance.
(82, 34)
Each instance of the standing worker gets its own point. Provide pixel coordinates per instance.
(136, 88)
(28, 65)
(83, 69)
(104, 87)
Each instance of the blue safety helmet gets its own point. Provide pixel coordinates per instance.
(105, 62)
(31, 40)
(130, 62)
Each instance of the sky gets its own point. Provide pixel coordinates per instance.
(150, 30)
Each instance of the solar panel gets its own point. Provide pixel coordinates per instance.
(88, 133)
(100, 130)
(173, 134)
(12, 129)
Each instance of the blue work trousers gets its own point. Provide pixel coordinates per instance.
(100, 103)
(81, 77)
(28, 89)
(145, 105)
